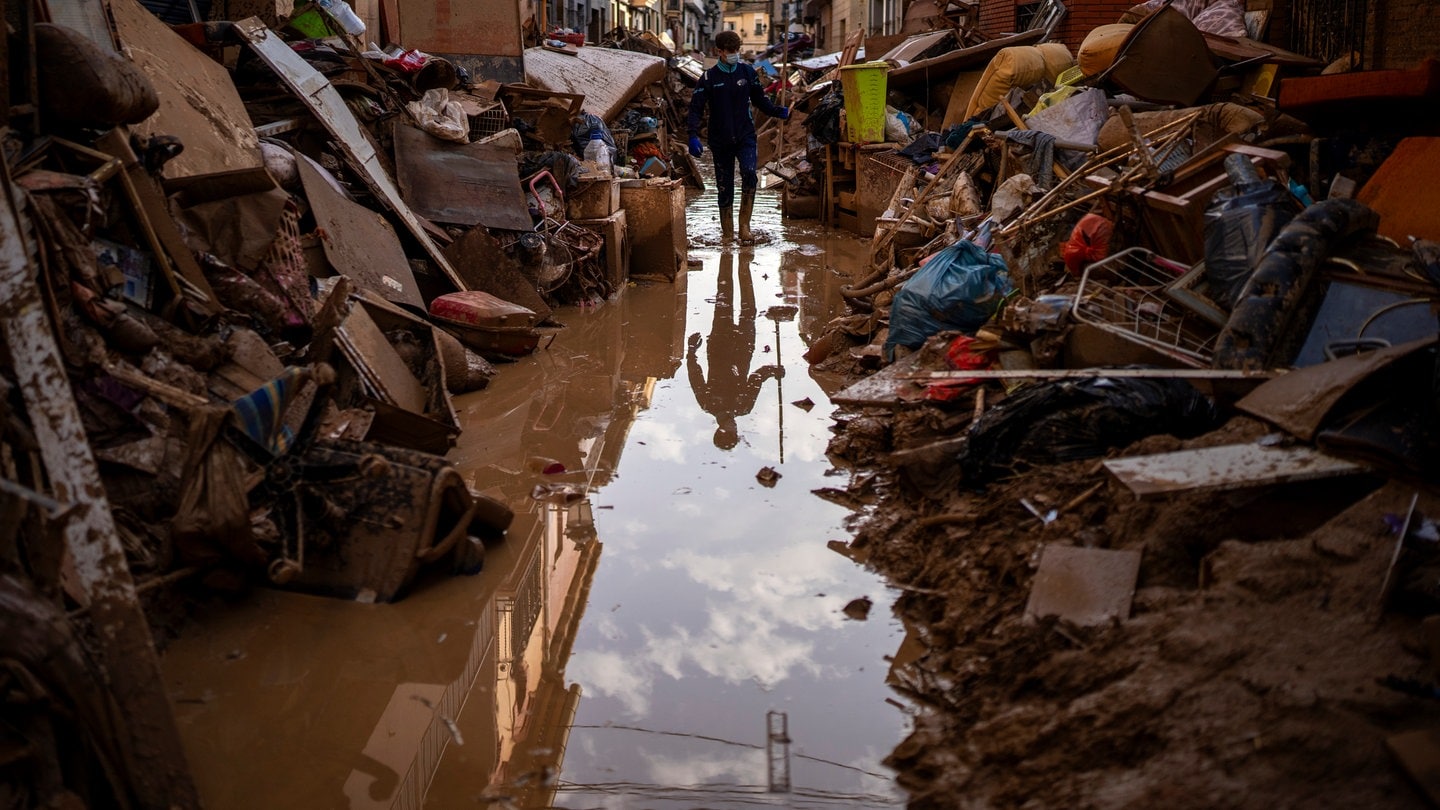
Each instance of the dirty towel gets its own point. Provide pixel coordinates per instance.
(1042, 156)
(260, 414)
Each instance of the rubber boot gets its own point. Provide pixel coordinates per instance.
(727, 224)
(747, 204)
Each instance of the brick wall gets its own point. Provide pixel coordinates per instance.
(998, 17)
(1085, 16)
(1403, 33)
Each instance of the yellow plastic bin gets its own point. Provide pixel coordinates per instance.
(864, 88)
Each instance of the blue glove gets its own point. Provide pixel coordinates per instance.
(785, 113)
(695, 147)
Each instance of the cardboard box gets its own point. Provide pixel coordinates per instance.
(616, 252)
(594, 199)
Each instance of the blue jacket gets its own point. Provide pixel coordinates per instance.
(728, 97)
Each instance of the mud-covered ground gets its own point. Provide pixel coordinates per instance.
(1256, 668)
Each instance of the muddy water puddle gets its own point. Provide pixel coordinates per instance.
(655, 610)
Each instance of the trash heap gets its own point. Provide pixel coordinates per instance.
(1147, 401)
(266, 258)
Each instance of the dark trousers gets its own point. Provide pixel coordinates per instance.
(725, 157)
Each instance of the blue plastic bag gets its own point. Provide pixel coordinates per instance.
(959, 288)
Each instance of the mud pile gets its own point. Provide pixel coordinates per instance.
(1255, 669)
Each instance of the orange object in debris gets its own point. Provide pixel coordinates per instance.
(1334, 91)
(1405, 191)
(1089, 242)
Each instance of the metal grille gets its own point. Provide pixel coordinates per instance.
(1129, 295)
(528, 598)
(894, 161)
(1329, 29)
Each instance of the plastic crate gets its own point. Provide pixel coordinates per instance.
(864, 88)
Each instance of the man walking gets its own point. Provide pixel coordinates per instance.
(727, 91)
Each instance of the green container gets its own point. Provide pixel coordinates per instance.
(310, 21)
(864, 89)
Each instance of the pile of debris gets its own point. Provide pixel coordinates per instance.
(268, 258)
(1154, 437)
(245, 269)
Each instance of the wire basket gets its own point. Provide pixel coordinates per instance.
(622, 141)
(488, 121)
(1130, 295)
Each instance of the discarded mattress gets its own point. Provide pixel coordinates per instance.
(607, 77)
(1225, 18)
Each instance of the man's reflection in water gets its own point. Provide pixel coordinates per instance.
(731, 390)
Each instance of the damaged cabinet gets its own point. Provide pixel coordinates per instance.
(655, 214)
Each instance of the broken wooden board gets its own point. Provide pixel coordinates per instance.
(460, 184)
(1086, 586)
(890, 387)
(1418, 753)
(1227, 467)
(324, 102)
(1299, 401)
(359, 243)
(377, 362)
(198, 101)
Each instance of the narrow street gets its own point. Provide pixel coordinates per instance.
(388, 424)
(624, 645)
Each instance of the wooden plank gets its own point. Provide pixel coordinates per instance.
(1227, 467)
(902, 382)
(887, 388)
(358, 242)
(461, 184)
(324, 102)
(1087, 586)
(1300, 401)
(1088, 373)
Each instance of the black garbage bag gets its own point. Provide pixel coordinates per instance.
(564, 167)
(586, 124)
(823, 122)
(1238, 227)
(1066, 420)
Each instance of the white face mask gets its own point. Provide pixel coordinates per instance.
(730, 58)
